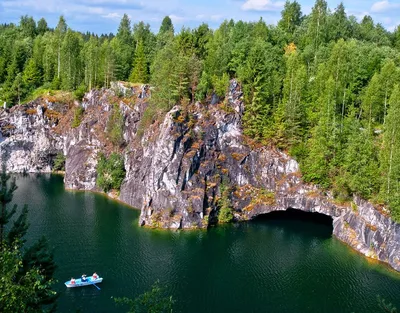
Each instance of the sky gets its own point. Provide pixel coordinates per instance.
(103, 16)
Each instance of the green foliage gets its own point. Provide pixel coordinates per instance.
(115, 126)
(110, 172)
(225, 214)
(140, 69)
(80, 92)
(321, 86)
(78, 115)
(221, 84)
(59, 162)
(156, 300)
(26, 273)
(166, 26)
(390, 155)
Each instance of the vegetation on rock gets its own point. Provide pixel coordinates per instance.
(78, 114)
(322, 86)
(110, 172)
(225, 214)
(59, 162)
(115, 126)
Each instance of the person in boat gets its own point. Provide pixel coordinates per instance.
(95, 276)
(72, 281)
(83, 278)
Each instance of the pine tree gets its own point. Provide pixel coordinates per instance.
(323, 143)
(140, 71)
(124, 48)
(6, 195)
(32, 77)
(339, 26)
(291, 17)
(166, 26)
(293, 89)
(42, 26)
(26, 275)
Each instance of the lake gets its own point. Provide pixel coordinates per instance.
(276, 263)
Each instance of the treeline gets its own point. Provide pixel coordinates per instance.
(322, 86)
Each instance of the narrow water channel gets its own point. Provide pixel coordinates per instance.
(277, 263)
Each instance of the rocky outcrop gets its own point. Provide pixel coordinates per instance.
(177, 168)
(28, 142)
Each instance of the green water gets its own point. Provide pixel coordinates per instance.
(268, 265)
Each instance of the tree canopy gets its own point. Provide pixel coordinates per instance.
(322, 86)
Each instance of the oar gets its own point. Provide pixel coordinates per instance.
(96, 286)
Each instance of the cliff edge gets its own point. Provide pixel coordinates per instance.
(182, 169)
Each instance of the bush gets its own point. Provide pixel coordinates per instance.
(110, 172)
(80, 92)
(78, 114)
(59, 162)
(115, 126)
(225, 214)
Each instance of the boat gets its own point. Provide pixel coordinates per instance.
(89, 281)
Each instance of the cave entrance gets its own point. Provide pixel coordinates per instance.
(297, 220)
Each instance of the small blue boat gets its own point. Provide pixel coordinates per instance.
(79, 283)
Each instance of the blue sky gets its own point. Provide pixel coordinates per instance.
(103, 16)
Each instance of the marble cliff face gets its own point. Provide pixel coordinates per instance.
(176, 168)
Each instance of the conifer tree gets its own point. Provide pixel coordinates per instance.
(124, 48)
(293, 88)
(166, 26)
(140, 71)
(290, 17)
(42, 26)
(26, 275)
(32, 77)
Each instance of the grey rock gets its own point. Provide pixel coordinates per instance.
(175, 170)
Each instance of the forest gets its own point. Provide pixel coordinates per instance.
(324, 87)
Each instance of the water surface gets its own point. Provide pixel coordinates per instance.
(272, 264)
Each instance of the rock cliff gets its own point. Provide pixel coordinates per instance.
(177, 168)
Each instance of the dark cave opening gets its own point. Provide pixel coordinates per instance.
(293, 215)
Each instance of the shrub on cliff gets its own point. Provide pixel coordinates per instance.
(78, 114)
(110, 172)
(225, 214)
(59, 162)
(115, 126)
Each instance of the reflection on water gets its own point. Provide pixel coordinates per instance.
(273, 264)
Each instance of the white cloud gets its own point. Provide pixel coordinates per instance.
(113, 16)
(177, 19)
(262, 5)
(384, 6)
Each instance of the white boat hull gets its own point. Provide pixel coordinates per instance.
(80, 283)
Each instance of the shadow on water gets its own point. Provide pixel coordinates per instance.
(309, 222)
